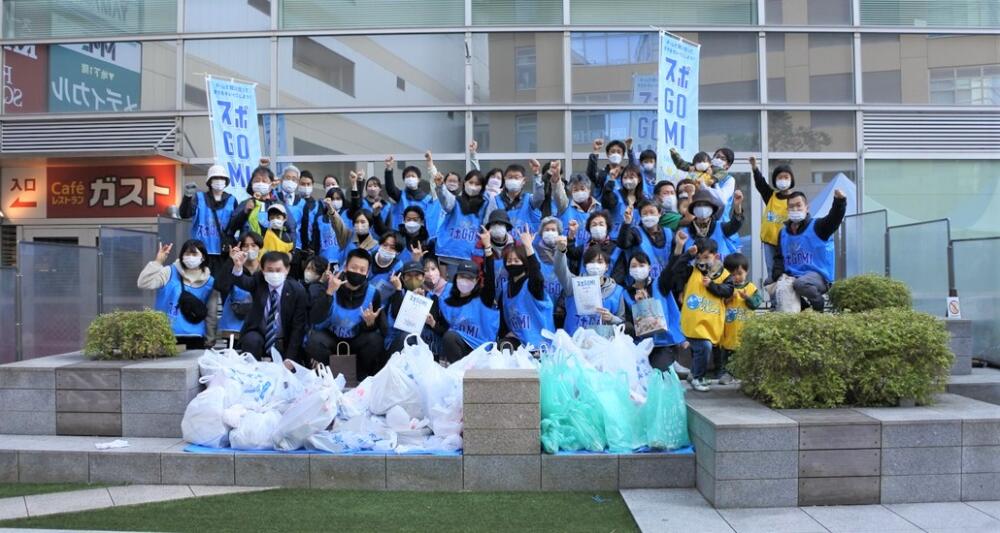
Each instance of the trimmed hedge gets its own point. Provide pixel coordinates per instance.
(869, 291)
(873, 358)
(130, 335)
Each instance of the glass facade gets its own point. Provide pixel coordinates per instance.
(342, 82)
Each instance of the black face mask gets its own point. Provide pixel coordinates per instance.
(355, 279)
(703, 266)
(515, 270)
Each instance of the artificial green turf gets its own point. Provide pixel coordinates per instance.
(27, 489)
(323, 510)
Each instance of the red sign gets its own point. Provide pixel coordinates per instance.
(97, 192)
(25, 78)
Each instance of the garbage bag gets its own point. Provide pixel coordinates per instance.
(255, 431)
(783, 295)
(392, 387)
(620, 414)
(355, 402)
(202, 422)
(664, 415)
(310, 414)
(570, 421)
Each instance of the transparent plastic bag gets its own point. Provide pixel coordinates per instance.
(202, 423)
(664, 415)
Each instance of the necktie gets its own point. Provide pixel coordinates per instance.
(271, 323)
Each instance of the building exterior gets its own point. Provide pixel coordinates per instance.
(900, 96)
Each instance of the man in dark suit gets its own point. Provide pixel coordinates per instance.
(279, 313)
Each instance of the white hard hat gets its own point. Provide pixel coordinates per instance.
(217, 171)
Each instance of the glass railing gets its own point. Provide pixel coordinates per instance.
(124, 252)
(919, 256)
(8, 314)
(975, 263)
(172, 230)
(861, 245)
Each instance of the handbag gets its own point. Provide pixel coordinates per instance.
(191, 307)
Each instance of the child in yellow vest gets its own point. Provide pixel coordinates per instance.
(277, 238)
(703, 308)
(739, 306)
(775, 196)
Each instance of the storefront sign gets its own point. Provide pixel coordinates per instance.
(96, 76)
(25, 73)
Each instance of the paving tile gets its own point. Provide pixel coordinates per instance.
(213, 490)
(136, 494)
(67, 502)
(773, 520)
(944, 515)
(673, 510)
(11, 508)
(991, 508)
(860, 519)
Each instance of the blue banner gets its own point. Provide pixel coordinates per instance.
(677, 106)
(232, 109)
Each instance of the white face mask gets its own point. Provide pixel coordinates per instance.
(498, 233)
(669, 203)
(337, 204)
(718, 163)
(412, 182)
(580, 196)
(465, 285)
(277, 223)
(261, 188)
(451, 186)
(639, 273)
(386, 255)
(615, 159)
(796, 216)
(217, 185)
(252, 254)
(513, 184)
(305, 191)
(783, 184)
(289, 186)
(702, 211)
(701, 167)
(412, 226)
(494, 184)
(310, 277)
(596, 269)
(630, 183)
(598, 233)
(373, 192)
(361, 229)
(275, 279)
(191, 261)
(650, 221)
(648, 167)
(473, 190)
(549, 237)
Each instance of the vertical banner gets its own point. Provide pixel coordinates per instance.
(677, 109)
(232, 108)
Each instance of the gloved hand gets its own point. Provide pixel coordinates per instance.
(190, 189)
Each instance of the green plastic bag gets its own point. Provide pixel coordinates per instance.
(664, 415)
(570, 421)
(620, 415)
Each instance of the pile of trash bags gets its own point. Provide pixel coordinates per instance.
(600, 394)
(413, 404)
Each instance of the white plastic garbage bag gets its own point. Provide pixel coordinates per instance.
(391, 387)
(255, 431)
(202, 423)
(783, 295)
(355, 402)
(310, 414)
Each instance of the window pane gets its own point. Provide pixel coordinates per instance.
(371, 70)
(728, 67)
(528, 131)
(227, 15)
(43, 19)
(739, 130)
(936, 69)
(90, 78)
(517, 67)
(941, 13)
(322, 14)
(812, 175)
(809, 68)
(244, 59)
(914, 191)
(516, 12)
(369, 133)
(809, 12)
(810, 131)
(672, 12)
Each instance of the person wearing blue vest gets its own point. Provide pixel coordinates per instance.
(642, 284)
(620, 194)
(469, 307)
(616, 151)
(434, 281)
(706, 210)
(581, 205)
(364, 235)
(236, 302)
(367, 194)
(311, 207)
(598, 227)
(521, 207)
(417, 241)
(385, 263)
(331, 232)
(805, 247)
(649, 238)
(463, 215)
(182, 290)
(410, 195)
(597, 263)
(411, 278)
(525, 307)
(545, 251)
(349, 311)
(647, 162)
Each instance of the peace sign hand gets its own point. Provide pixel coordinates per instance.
(164, 252)
(370, 315)
(396, 282)
(334, 283)
(417, 251)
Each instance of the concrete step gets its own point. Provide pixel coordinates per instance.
(982, 384)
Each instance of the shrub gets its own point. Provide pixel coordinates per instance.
(867, 292)
(130, 335)
(812, 360)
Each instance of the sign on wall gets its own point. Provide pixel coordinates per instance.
(92, 77)
(677, 108)
(25, 73)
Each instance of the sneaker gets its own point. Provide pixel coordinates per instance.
(726, 379)
(681, 370)
(700, 385)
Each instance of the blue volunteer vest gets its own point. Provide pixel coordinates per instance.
(426, 204)
(725, 245)
(659, 257)
(381, 281)
(474, 322)
(552, 286)
(648, 183)
(459, 233)
(295, 212)
(521, 214)
(615, 254)
(426, 334)
(203, 226)
(329, 247)
(574, 322)
(229, 320)
(573, 213)
(673, 315)
(166, 302)
(527, 316)
(618, 213)
(344, 323)
(806, 252)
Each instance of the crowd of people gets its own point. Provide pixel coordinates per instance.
(301, 271)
